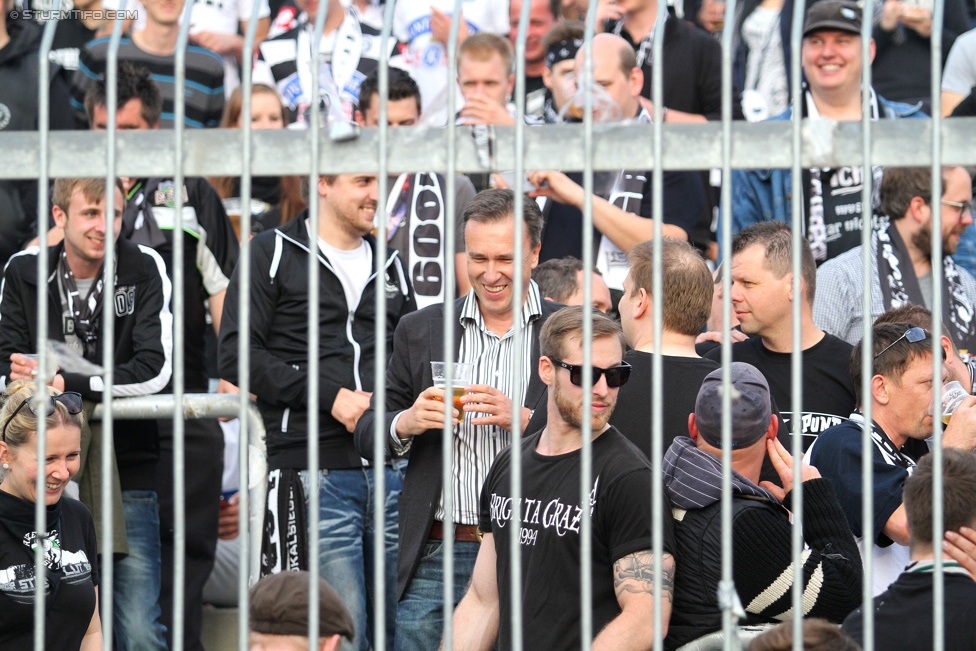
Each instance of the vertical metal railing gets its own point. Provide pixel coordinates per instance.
(450, 316)
(40, 510)
(727, 597)
(106, 596)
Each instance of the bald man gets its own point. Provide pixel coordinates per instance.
(622, 213)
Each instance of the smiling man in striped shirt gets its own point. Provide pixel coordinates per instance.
(484, 335)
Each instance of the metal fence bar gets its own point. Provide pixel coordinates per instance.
(216, 152)
(867, 348)
(380, 435)
(796, 376)
(518, 290)
(243, 340)
(450, 349)
(179, 335)
(40, 510)
(938, 578)
(106, 595)
(657, 297)
(586, 460)
(727, 597)
(315, 119)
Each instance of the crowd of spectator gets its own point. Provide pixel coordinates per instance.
(521, 398)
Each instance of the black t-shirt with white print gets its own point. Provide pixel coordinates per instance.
(620, 507)
(69, 613)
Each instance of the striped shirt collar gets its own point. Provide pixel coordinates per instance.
(531, 309)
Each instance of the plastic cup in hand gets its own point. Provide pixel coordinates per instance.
(952, 395)
(462, 376)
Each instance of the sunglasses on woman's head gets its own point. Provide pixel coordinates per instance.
(70, 399)
(616, 376)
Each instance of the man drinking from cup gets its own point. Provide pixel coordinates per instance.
(484, 336)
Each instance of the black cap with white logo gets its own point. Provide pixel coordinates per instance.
(839, 15)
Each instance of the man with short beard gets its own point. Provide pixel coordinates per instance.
(620, 506)
(901, 259)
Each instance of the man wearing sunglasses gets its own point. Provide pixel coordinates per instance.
(484, 325)
(550, 517)
(901, 259)
(900, 398)
(143, 347)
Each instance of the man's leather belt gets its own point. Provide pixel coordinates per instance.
(462, 532)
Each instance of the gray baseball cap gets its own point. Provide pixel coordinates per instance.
(750, 406)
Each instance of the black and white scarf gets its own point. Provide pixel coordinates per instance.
(17, 516)
(693, 478)
(416, 202)
(284, 545)
(899, 286)
(84, 310)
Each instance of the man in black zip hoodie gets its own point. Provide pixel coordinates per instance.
(278, 341)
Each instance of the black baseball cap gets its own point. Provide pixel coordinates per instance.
(840, 15)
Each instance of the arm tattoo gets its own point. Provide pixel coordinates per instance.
(635, 573)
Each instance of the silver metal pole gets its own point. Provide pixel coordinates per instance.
(515, 551)
(106, 594)
(179, 334)
(243, 340)
(41, 393)
(450, 346)
(586, 459)
(867, 345)
(314, 501)
(796, 378)
(657, 296)
(726, 591)
(938, 522)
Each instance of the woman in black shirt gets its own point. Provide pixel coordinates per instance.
(71, 574)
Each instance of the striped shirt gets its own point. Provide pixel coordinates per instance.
(496, 363)
(204, 86)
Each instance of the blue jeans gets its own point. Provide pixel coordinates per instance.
(136, 583)
(420, 614)
(347, 499)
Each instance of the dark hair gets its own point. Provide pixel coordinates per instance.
(291, 202)
(481, 46)
(557, 278)
(958, 494)
(401, 86)
(899, 185)
(134, 82)
(916, 315)
(895, 360)
(497, 204)
(686, 283)
(568, 323)
(777, 240)
(564, 30)
(818, 635)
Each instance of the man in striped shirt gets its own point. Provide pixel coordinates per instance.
(504, 372)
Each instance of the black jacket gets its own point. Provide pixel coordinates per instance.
(279, 342)
(143, 336)
(419, 339)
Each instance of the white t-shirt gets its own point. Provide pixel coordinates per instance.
(353, 267)
(960, 69)
(426, 59)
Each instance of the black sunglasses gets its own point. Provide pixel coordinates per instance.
(70, 399)
(913, 335)
(617, 376)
